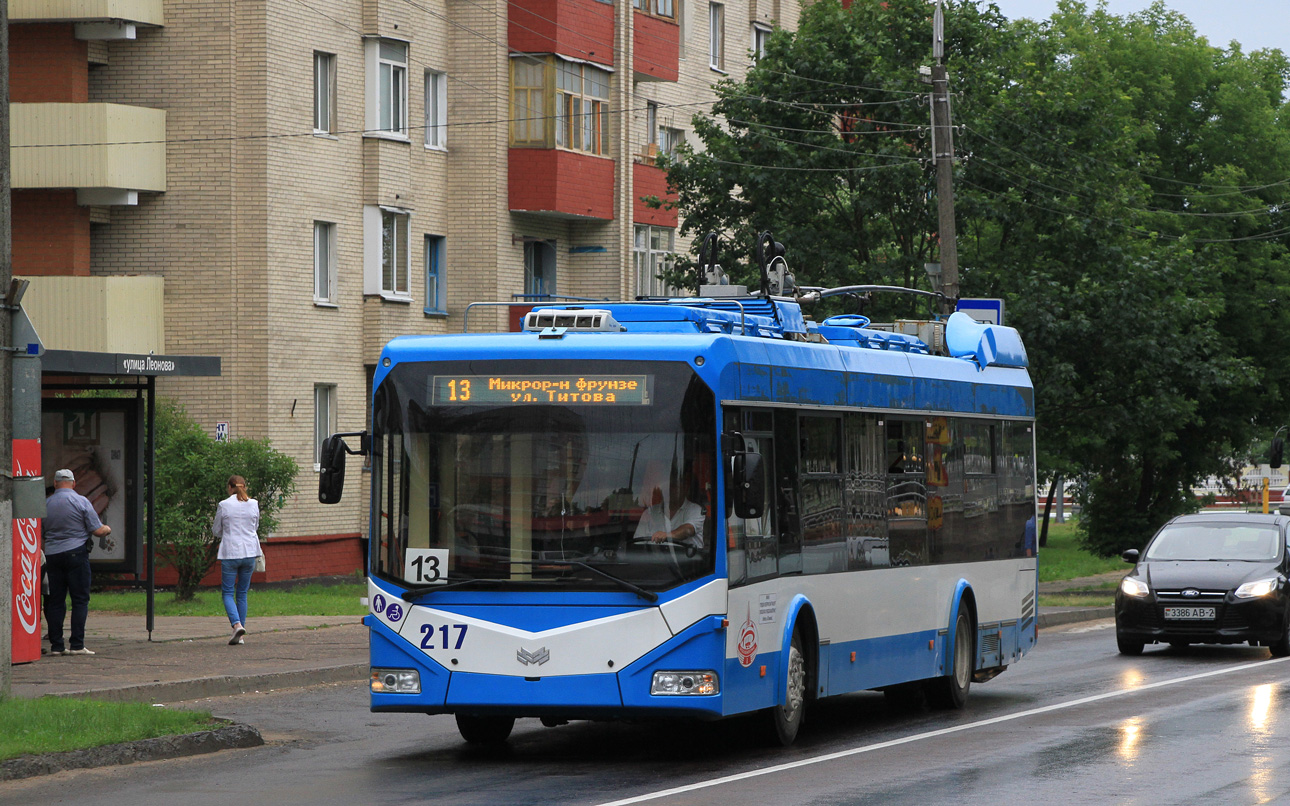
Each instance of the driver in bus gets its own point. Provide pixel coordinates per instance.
(674, 520)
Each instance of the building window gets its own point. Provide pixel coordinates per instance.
(324, 262)
(324, 93)
(385, 252)
(324, 417)
(539, 268)
(668, 141)
(652, 250)
(577, 96)
(717, 36)
(651, 123)
(435, 302)
(659, 8)
(436, 109)
(760, 36)
(387, 87)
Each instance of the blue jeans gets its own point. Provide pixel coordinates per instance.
(235, 580)
(69, 574)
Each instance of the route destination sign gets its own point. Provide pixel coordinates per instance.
(593, 390)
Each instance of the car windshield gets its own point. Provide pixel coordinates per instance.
(1216, 541)
(484, 487)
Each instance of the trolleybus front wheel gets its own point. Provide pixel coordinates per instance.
(951, 691)
(485, 729)
(786, 718)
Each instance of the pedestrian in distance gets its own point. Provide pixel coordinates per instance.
(237, 524)
(70, 526)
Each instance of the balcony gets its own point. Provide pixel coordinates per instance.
(582, 29)
(650, 181)
(562, 184)
(98, 314)
(95, 19)
(107, 152)
(656, 47)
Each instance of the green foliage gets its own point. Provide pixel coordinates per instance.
(300, 600)
(192, 475)
(1121, 185)
(57, 724)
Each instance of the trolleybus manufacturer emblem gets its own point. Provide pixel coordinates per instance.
(539, 657)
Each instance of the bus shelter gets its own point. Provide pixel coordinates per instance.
(94, 413)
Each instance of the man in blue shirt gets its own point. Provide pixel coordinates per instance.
(70, 524)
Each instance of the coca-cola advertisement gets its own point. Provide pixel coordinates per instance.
(26, 632)
(97, 439)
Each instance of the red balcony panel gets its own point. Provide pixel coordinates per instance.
(583, 29)
(656, 48)
(51, 233)
(650, 181)
(562, 183)
(47, 64)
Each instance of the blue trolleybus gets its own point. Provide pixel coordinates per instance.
(694, 508)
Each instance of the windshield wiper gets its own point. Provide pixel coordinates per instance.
(412, 594)
(648, 596)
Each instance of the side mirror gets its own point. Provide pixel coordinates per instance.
(331, 479)
(748, 485)
(1130, 556)
(1277, 452)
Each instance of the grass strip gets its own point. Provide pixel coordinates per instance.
(1074, 600)
(1063, 558)
(302, 600)
(56, 724)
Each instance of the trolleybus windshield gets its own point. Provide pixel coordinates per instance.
(543, 475)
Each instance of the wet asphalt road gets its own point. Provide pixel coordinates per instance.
(1072, 723)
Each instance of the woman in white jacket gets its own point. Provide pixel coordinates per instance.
(237, 524)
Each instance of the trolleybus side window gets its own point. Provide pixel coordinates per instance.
(752, 543)
(906, 491)
(824, 544)
(787, 492)
(866, 493)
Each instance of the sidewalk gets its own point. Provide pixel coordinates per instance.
(189, 656)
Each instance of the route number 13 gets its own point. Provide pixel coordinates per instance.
(425, 566)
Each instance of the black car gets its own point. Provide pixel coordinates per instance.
(1213, 578)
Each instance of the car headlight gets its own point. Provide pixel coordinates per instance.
(1253, 590)
(1134, 587)
(672, 683)
(396, 681)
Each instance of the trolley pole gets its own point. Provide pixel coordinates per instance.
(943, 154)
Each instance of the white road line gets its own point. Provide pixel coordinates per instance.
(942, 732)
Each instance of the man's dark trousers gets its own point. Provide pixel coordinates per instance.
(69, 573)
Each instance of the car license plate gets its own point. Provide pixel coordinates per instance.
(1189, 613)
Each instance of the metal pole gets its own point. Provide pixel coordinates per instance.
(943, 142)
(6, 369)
(150, 460)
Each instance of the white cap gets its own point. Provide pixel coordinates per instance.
(64, 475)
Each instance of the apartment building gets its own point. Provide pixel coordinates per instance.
(288, 184)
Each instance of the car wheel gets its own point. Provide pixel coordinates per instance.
(786, 719)
(1129, 646)
(1281, 647)
(485, 729)
(951, 691)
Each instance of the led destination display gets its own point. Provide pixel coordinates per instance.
(592, 390)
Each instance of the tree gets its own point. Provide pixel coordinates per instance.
(192, 474)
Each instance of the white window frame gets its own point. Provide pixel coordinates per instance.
(325, 293)
(386, 96)
(324, 93)
(436, 108)
(436, 256)
(717, 36)
(324, 418)
(648, 260)
(377, 219)
(668, 139)
(760, 35)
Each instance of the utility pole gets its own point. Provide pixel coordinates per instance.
(943, 154)
(6, 370)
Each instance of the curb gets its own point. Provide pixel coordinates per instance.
(1076, 615)
(162, 747)
(222, 686)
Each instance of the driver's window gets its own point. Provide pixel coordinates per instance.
(751, 543)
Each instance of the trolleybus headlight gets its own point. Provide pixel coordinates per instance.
(698, 682)
(1134, 587)
(396, 681)
(1253, 590)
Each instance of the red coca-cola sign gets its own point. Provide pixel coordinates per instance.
(26, 562)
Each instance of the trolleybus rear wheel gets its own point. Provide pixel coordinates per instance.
(951, 691)
(786, 718)
(485, 729)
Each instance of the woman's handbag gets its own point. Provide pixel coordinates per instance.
(259, 559)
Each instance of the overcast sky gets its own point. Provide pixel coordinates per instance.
(1254, 23)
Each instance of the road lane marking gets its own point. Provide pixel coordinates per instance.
(855, 751)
